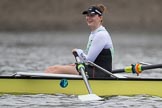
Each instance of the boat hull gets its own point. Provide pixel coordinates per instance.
(75, 86)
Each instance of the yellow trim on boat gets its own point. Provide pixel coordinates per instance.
(77, 86)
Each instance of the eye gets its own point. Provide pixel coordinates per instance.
(91, 15)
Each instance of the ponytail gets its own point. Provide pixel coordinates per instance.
(101, 7)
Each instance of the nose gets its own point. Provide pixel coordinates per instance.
(88, 17)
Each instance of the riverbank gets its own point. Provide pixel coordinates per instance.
(53, 15)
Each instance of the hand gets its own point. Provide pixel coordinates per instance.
(74, 50)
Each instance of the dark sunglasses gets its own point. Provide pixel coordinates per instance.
(91, 14)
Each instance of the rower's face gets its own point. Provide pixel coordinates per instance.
(93, 20)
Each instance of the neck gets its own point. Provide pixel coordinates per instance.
(95, 27)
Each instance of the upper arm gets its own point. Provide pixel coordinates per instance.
(96, 47)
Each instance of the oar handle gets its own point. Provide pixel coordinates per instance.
(76, 57)
(75, 54)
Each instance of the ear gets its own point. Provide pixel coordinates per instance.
(101, 17)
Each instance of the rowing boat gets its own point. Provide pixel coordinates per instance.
(42, 83)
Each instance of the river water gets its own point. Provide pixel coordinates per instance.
(34, 51)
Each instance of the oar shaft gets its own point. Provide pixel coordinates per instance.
(86, 81)
(138, 67)
(118, 71)
(82, 71)
(146, 67)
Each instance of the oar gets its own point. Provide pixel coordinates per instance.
(81, 69)
(137, 68)
(144, 63)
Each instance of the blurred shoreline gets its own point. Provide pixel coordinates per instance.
(56, 15)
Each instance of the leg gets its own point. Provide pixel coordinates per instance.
(62, 69)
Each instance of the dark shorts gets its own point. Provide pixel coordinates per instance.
(104, 60)
(94, 72)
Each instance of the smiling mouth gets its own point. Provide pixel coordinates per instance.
(89, 21)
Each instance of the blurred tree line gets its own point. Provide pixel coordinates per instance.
(47, 15)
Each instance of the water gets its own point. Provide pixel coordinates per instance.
(62, 101)
(37, 50)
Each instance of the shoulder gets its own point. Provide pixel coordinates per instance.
(102, 30)
(103, 33)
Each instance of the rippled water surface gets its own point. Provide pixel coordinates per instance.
(61, 101)
(38, 50)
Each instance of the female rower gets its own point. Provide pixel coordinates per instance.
(99, 48)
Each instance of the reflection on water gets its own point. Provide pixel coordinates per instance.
(35, 51)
